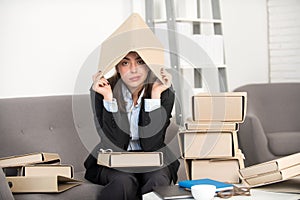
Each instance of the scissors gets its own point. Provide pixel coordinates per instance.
(236, 191)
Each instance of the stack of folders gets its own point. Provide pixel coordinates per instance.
(37, 173)
(209, 144)
(272, 171)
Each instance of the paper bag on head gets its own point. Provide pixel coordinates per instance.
(133, 35)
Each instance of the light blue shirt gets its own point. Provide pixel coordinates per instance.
(132, 113)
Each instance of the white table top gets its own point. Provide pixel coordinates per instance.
(255, 195)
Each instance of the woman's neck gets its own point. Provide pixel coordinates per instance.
(135, 94)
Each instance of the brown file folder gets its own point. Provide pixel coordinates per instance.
(41, 184)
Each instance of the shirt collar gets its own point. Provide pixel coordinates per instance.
(128, 97)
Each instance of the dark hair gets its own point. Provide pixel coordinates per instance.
(116, 84)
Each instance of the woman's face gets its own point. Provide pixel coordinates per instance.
(133, 71)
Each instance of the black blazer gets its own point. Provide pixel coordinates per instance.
(114, 129)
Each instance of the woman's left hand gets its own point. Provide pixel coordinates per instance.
(158, 87)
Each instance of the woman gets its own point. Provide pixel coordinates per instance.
(132, 112)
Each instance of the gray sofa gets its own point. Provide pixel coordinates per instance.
(62, 124)
(272, 124)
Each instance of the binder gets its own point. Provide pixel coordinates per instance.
(32, 158)
(130, 159)
(211, 126)
(201, 144)
(217, 169)
(132, 35)
(270, 166)
(48, 170)
(41, 184)
(221, 107)
(273, 177)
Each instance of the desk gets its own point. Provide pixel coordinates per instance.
(255, 195)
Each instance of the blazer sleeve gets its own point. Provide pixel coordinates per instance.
(153, 125)
(111, 127)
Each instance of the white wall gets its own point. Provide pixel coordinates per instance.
(44, 43)
(245, 41)
(284, 32)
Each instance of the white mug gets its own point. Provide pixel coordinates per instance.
(203, 192)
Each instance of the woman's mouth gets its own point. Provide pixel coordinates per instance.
(134, 78)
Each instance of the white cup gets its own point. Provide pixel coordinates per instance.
(203, 192)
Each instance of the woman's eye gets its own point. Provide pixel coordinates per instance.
(124, 63)
(140, 62)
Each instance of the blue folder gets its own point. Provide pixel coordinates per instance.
(220, 185)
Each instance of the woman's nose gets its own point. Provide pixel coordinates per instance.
(133, 67)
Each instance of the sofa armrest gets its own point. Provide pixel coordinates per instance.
(5, 192)
(253, 141)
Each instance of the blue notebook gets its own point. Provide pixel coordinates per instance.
(220, 185)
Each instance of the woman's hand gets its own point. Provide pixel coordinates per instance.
(102, 86)
(158, 87)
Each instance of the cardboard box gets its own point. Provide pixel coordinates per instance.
(222, 107)
(38, 184)
(217, 169)
(130, 159)
(26, 159)
(274, 177)
(48, 170)
(270, 166)
(211, 126)
(200, 145)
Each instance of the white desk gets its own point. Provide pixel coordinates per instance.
(255, 195)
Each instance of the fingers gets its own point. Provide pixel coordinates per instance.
(102, 82)
(99, 79)
(97, 76)
(166, 77)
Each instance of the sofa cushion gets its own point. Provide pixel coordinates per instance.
(284, 143)
(41, 124)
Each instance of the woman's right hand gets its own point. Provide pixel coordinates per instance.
(102, 86)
